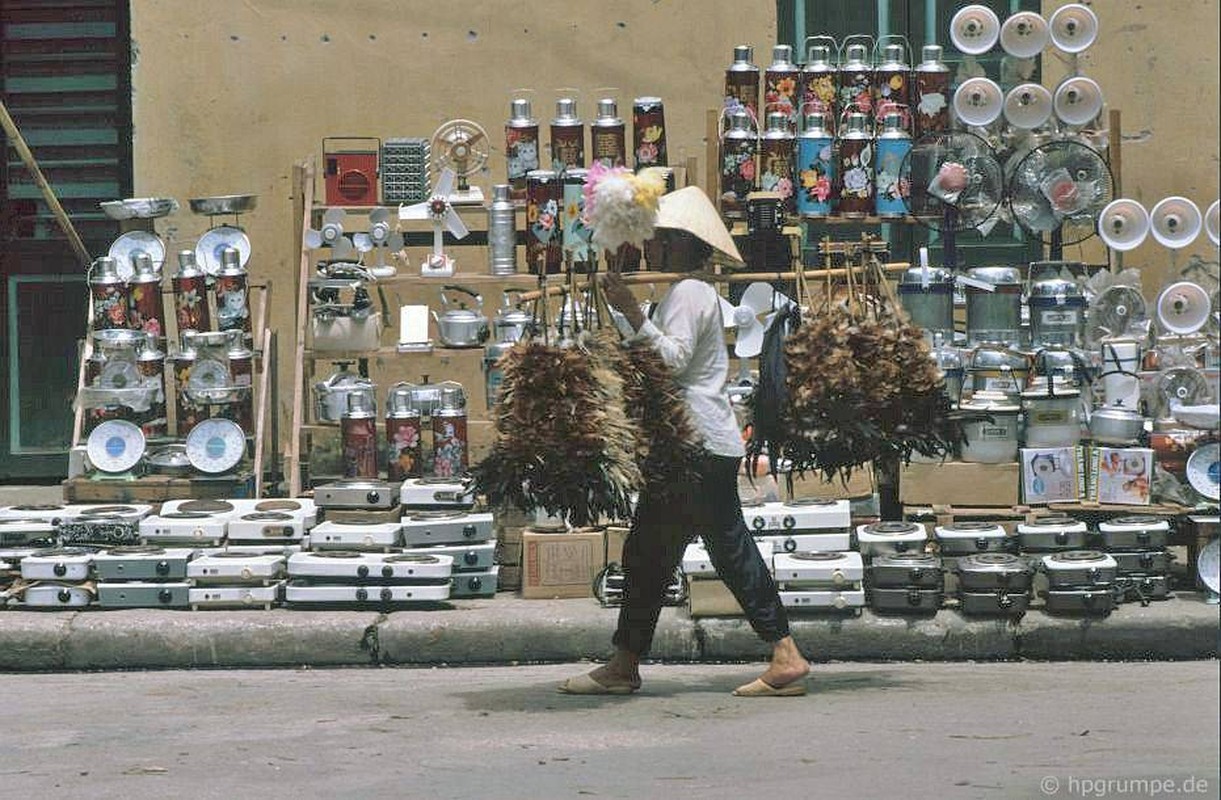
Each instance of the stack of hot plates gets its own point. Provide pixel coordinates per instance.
(361, 579)
(236, 579)
(466, 537)
(56, 578)
(808, 524)
(142, 576)
(196, 523)
(820, 581)
(1139, 546)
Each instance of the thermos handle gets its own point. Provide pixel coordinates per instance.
(810, 41)
(450, 287)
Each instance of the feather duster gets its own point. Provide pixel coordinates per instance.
(622, 206)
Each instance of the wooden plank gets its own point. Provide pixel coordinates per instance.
(157, 489)
(691, 168)
(303, 202)
(260, 416)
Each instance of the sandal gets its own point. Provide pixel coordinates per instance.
(585, 684)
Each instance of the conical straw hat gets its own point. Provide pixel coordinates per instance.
(689, 209)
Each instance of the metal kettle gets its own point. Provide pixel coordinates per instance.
(461, 326)
(512, 322)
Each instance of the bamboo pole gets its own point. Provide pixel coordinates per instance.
(303, 201)
(633, 278)
(48, 194)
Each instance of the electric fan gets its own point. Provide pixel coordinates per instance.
(440, 210)
(1182, 386)
(1058, 190)
(331, 235)
(752, 317)
(460, 146)
(1212, 222)
(1117, 312)
(381, 238)
(956, 185)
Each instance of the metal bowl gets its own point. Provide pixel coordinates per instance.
(224, 204)
(169, 460)
(139, 208)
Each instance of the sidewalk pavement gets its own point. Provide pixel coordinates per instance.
(507, 630)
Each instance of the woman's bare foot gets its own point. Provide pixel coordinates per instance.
(788, 665)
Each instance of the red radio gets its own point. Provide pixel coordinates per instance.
(350, 171)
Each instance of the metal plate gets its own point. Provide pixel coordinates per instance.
(215, 446)
(224, 204)
(131, 243)
(467, 558)
(207, 249)
(142, 563)
(481, 583)
(139, 208)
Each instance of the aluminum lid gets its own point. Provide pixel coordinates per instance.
(997, 276)
(566, 112)
(930, 59)
(782, 56)
(894, 56)
(917, 276)
(608, 112)
(907, 560)
(969, 529)
(855, 55)
(777, 123)
(994, 562)
(1052, 525)
(520, 112)
(743, 54)
(820, 57)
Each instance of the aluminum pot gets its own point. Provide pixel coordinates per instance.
(1052, 419)
(927, 295)
(992, 436)
(331, 395)
(461, 326)
(1115, 425)
(999, 369)
(996, 315)
(511, 322)
(1057, 313)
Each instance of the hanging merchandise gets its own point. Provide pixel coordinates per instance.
(649, 133)
(146, 312)
(567, 136)
(232, 293)
(891, 186)
(521, 145)
(358, 434)
(575, 231)
(191, 295)
(742, 83)
(780, 84)
(891, 87)
(1058, 190)
(606, 135)
(816, 173)
(109, 293)
(777, 152)
(854, 78)
(932, 92)
(544, 193)
(817, 91)
(404, 435)
(855, 167)
(739, 148)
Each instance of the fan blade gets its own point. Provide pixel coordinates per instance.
(750, 341)
(445, 184)
(342, 248)
(758, 297)
(313, 239)
(379, 216)
(333, 216)
(727, 309)
(395, 241)
(415, 211)
(363, 242)
(454, 224)
(474, 136)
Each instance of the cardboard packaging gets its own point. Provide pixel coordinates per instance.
(956, 483)
(1052, 475)
(709, 597)
(861, 484)
(616, 535)
(561, 565)
(1121, 475)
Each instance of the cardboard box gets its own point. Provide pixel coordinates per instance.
(1121, 475)
(616, 535)
(1052, 474)
(561, 565)
(861, 484)
(958, 483)
(709, 597)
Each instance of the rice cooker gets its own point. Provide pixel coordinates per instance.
(1057, 313)
(1052, 416)
(999, 369)
(994, 315)
(990, 430)
(928, 297)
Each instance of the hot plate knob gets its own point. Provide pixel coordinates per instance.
(64, 596)
(468, 531)
(839, 601)
(981, 543)
(1092, 573)
(387, 571)
(1143, 537)
(163, 568)
(165, 596)
(790, 545)
(837, 577)
(915, 574)
(788, 522)
(757, 523)
(913, 597)
(362, 594)
(471, 558)
(1004, 600)
(373, 497)
(246, 573)
(474, 584)
(387, 595)
(362, 571)
(1146, 560)
(60, 570)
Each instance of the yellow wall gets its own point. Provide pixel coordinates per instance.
(228, 93)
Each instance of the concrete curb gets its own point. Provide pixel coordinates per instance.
(508, 629)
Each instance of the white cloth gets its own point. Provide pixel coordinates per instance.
(686, 329)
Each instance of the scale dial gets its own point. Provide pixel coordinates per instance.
(115, 446)
(1204, 471)
(207, 249)
(216, 445)
(1208, 566)
(208, 374)
(132, 243)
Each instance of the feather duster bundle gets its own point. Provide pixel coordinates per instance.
(622, 206)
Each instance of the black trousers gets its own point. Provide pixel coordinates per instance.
(707, 507)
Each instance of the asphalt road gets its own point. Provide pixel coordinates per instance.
(962, 730)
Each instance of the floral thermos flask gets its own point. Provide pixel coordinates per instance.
(739, 148)
(855, 167)
(187, 412)
(358, 434)
(649, 133)
(232, 293)
(818, 80)
(742, 82)
(404, 441)
(109, 293)
(567, 136)
(891, 82)
(521, 145)
(150, 361)
(815, 167)
(854, 78)
(544, 193)
(146, 311)
(776, 157)
(931, 93)
(449, 440)
(890, 184)
(191, 294)
(780, 82)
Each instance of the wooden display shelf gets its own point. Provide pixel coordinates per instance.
(158, 488)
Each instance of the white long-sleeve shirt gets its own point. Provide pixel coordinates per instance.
(686, 329)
